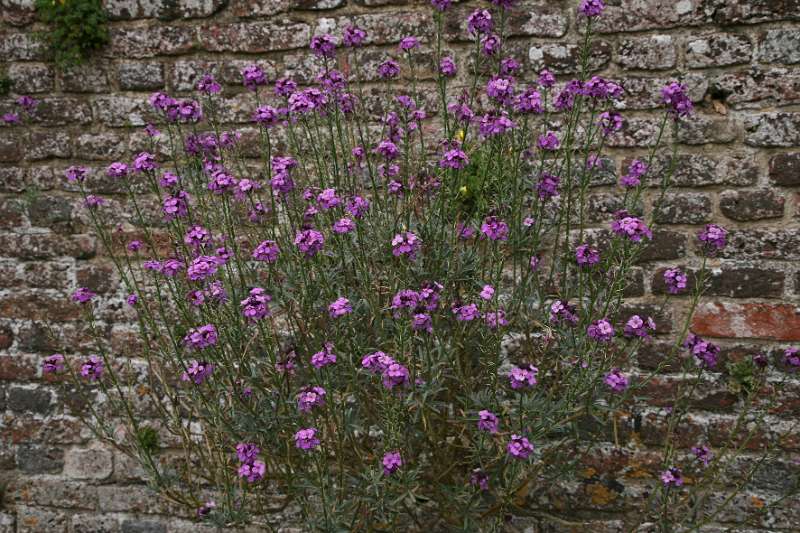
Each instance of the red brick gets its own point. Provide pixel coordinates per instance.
(748, 321)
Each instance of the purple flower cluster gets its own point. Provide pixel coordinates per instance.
(713, 237)
(197, 372)
(406, 244)
(706, 354)
(675, 280)
(201, 337)
(494, 229)
(53, 363)
(266, 251)
(633, 228)
(601, 330)
(562, 312)
(519, 447)
(637, 326)
(616, 380)
(250, 468)
(392, 373)
(586, 256)
(339, 308)
(636, 170)
(256, 305)
(672, 477)
(392, 461)
(92, 368)
(677, 101)
(523, 377)
(488, 421)
(791, 358)
(324, 357)
(306, 439)
(310, 398)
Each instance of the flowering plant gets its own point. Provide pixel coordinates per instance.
(405, 322)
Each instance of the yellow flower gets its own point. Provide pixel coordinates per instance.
(460, 135)
(463, 190)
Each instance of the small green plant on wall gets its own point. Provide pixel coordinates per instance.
(76, 28)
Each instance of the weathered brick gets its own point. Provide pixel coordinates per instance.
(17, 13)
(530, 18)
(781, 244)
(86, 78)
(645, 93)
(684, 208)
(731, 282)
(143, 526)
(780, 46)
(91, 463)
(118, 111)
(253, 36)
(633, 15)
(148, 42)
(100, 278)
(753, 11)
(695, 170)
(10, 149)
(756, 87)
(21, 46)
(28, 399)
(717, 50)
(100, 146)
(62, 112)
(38, 520)
(31, 77)
(95, 523)
(784, 169)
(748, 205)
(652, 52)
(36, 459)
(705, 129)
(773, 129)
(665, 245)
(140, 75)
(185, 74)
(47, 144)
(747, 321)
(162, 9)
(564, 58)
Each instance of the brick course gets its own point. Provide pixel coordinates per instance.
(739, 165)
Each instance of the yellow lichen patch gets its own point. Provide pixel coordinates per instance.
(599, 494)
(638, 473)
(588, 473)
(757, 502)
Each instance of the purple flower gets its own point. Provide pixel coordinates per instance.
(529, 101)
(285, 87)
(339, 308)
(82, 295)
(328, 200)
(394, 375)
(132, 299)
(441, 5)
(519, 447)
(309, 242)
(267, 116)
(601, 330)
(422, 322)
(547, 186)
(609, 122)
(353, 36)
(309, 398)
(252, 472)
(494, 229)
(706, 354)
(487, 292)
(455, 159)
(508, 66)
(144, 161)
(92, 368)
(586, 256)
(500, 89)
(671, 477)
(10, 118)
(488, 421)
(490, 44)
(306, 439)
(616, 380)
(675, 98)
(117, 170)
(247, 452)
(389, 69)
(791, 358)
(53, 363)
(27, 103)
(324, 45)
(549, 141)
(408, 43)
(466, 313)
(175, 206)
(324, 357)
(203, 267)
(495, 319)
(714, 237)
(591, 8)
(201, 337)
(205, 509)
(703, 454)
(134, 245)
(76, 174)
(208, 85)
(377, 362)
(388, 150)
(563, 312)
(636, 326)
(91, 201)
(675, 280)
(480, 21)
(447, 67)
(253, 77)
(761, 361)
(197, 372)
(406, 243)
(256, 305)
(171, 267)
(479, 479)
(391, 463)
(522, 377)
(343, 225)
(635, 171)
(546, 79)
(266, 251)
(631, 227)
(494, 123)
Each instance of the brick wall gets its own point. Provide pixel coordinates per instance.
(739, 166)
